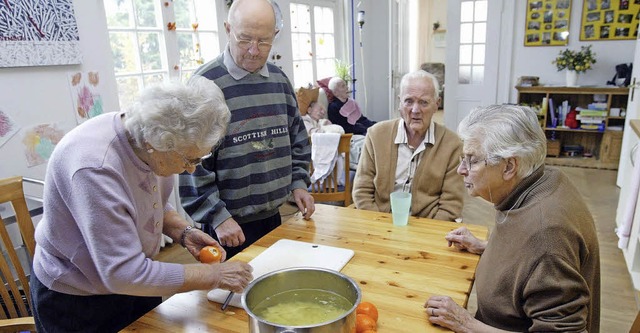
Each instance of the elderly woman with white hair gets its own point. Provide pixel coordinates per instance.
(344, 111)
(106, 208)
(540, 268)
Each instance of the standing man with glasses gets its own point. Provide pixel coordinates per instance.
(412, 154)
(264, 158)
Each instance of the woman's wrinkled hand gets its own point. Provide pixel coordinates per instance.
(443, 311)
(463, 239)
(232, 275)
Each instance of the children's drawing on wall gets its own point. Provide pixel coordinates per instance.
(38, 33)
(39, 141)
(87, 101)
(8, 128)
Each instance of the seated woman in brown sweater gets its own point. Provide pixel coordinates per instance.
(412, 154)
(540, 268)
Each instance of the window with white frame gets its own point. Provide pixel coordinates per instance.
(473, 41)
(153, 41)
(313, 40)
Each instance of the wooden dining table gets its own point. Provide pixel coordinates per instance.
(396, 267)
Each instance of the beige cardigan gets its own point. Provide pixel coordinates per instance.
(437, 190)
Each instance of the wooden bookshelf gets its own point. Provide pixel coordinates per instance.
(601, 148)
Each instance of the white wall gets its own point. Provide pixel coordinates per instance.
(372, 75)
(39, 95)
(536, 61)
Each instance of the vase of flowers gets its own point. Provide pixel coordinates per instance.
(575, 62)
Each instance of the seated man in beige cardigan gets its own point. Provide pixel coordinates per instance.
(412, 154)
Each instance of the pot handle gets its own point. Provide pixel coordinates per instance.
(288, 331)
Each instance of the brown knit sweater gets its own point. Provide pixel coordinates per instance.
(437, 190)
(540, 271)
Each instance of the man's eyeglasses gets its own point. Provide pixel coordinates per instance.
(467, 162)
(245, 44)
(193, 161)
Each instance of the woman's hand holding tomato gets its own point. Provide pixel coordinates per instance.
(210, 254)
(196, 240)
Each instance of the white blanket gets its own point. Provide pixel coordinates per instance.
(627, 219)
(324, 154)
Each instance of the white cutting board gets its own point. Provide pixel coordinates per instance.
(287, 253)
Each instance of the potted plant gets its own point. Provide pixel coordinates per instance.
(575, 62)
(343, 71)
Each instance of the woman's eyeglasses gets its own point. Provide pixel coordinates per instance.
(193, 161)
(468, 162)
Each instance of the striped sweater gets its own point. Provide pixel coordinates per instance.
(264, 156)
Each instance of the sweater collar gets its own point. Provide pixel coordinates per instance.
(516, 198)
(235, 71)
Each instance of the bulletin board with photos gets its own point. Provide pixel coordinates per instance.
(547, 22)
(610, 19)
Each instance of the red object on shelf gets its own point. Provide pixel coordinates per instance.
(571, 120)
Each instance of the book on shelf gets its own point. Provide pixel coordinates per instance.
(592, 113)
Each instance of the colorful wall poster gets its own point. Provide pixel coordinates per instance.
(39, 141)
(610, 19)
(8, 128)
(547, 22)
(87, 100)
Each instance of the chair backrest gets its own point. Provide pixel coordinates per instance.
(635, 327)
(329, 189)
(15, 294)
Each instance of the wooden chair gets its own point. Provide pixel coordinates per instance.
(15, 312)
(329, 190)
(635, 327)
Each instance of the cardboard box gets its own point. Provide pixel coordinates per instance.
(553, 148)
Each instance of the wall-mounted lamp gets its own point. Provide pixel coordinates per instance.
(361, 18)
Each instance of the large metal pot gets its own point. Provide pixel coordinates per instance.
(301, 278)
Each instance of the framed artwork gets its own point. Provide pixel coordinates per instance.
(610, 19)
(440, 38)
(547, 22)
(38, 33)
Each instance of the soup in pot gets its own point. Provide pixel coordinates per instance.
(302, 307)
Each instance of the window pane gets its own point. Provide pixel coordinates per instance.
(464, 74)
(480, 33)
(185, 75)
(466, 11)
(206, 14)
(303, 73)
(466, 33)
(326, 68)
(150, 50)
(478, 54)
(325, 46)
(301, 46)
(478, 74)
(118, 13)
(481, 11)
(183, 10)
(152, 79)
(465, 55)
(124, 52)
(128, 88)
(323, 19)
(209, 48)
(300, 18)
(146, 12)
(189, 51)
